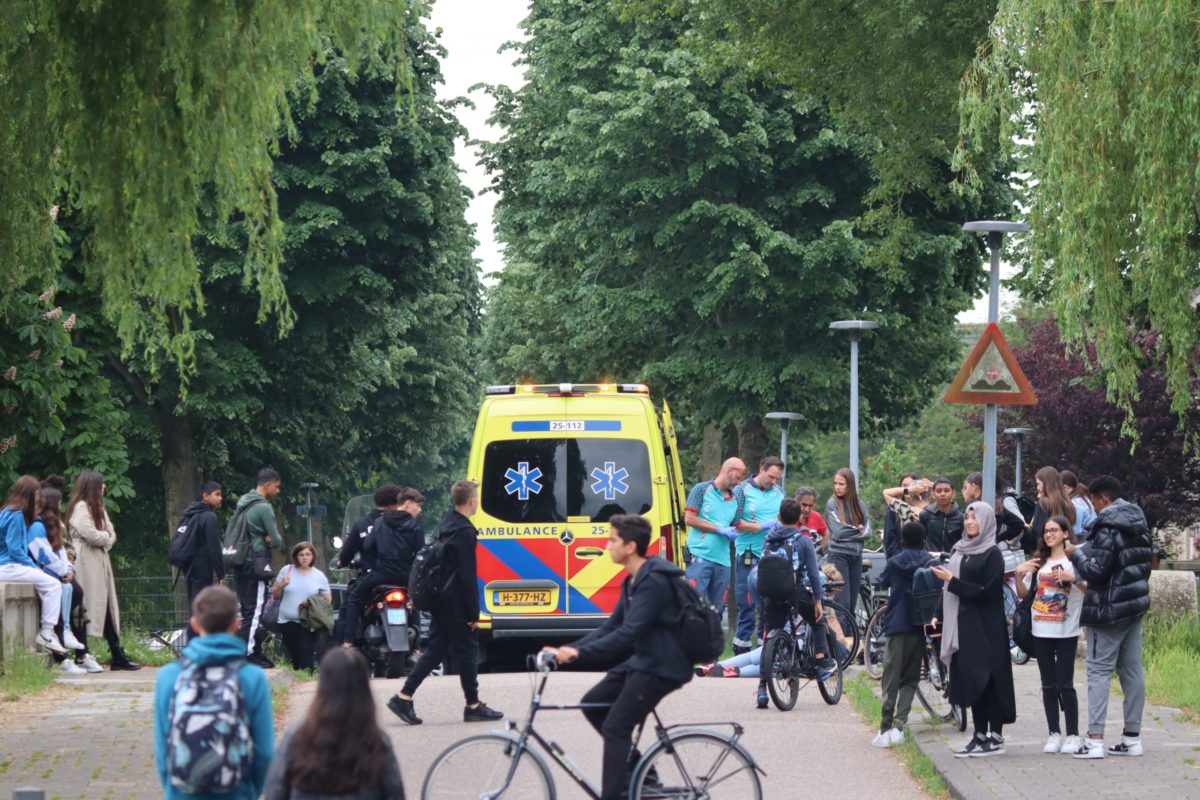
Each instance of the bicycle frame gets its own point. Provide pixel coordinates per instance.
(527, 732)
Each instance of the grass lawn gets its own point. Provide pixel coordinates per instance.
(1171, 655)
(25, 673)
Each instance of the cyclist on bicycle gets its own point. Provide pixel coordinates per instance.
(640, 634)
(806, 599)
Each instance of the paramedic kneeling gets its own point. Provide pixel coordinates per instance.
(640, 635)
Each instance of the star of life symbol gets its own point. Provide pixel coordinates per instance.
(523, 481)
(610, 481)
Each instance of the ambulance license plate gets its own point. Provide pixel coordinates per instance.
(397, 616)
(523, 598)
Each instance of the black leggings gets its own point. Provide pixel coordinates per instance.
(300, 644)
(75, 614)
(633, 695)
(986, 712)
(1056, 663)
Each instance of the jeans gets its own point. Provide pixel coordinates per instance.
(749, 664)
(1115, 648)
(747, 602)
(72, 617)
(632, 695)
(711, 580)
(851, 568)
(1056, 663)
(449, 634)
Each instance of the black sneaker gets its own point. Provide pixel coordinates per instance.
(403, 709)
(761, 700)
(991, 746)
(972, 747)
(260, 660)
(481, 713)
(739, 649)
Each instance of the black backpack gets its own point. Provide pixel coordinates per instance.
(776, 577)
(699, 627)
(924, 597)
(429, 577)
(183, 543)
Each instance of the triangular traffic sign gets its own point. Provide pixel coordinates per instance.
(991, 375)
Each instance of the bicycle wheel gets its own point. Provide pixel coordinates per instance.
(831, 687)
(933, 689)
(487, 766)
(1017, 655)
(779, 658)
(696, 764)
(874, 644)
(849, 629)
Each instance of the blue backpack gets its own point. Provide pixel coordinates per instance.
(208, 742)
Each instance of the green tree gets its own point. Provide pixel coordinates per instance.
(1099, 101)
(670, 217)
(377, 377)
(140, 110)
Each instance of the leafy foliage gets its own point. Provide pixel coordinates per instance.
(1100, 100)
(1079, 429)
(144, 110)
(669, 217)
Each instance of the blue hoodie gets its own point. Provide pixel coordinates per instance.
(217, 648)
(13, 546)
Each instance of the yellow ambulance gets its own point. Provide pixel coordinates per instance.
(553, 464)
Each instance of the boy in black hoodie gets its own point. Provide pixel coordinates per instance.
(905, 641)
(640, 634)
(207, 566)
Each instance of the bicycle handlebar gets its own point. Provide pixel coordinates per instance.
(543, 661)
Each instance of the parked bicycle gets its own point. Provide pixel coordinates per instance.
(788, 657)
(1011, 602)
(685, 762)
(933, 690)
(843, 627)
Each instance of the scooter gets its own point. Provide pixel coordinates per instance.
(390, 631)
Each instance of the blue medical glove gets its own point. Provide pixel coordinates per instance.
(728, 533)
(770, 525)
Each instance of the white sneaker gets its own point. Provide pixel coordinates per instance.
(1071, 745)
(69, 667)
(46, 640)
(1090, 748)
(896, 736)
(71, 642)
(90, 664)
(1054, 744)
(1126, 747)
(882, 739)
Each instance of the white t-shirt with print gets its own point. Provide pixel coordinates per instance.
(1056, 609)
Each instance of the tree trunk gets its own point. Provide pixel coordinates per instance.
(710, 453)
(752, 443)
(180, 473)
(729, 441)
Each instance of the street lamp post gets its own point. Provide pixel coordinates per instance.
(308, 504)
(995, 230)
(854, 327)
(1019, 433)
(785, 419)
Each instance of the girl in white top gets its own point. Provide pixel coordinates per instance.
(1057, 606)
(298, 582)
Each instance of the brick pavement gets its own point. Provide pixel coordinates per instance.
(1169, 768)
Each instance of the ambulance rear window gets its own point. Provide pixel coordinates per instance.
(548, 480)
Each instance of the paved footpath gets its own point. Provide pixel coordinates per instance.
(1167, 770)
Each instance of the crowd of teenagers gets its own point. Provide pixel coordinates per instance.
(1078, 557)
(64, 553)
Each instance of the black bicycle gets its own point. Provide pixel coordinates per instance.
(933, 690)
(788, 657)
(685, 762)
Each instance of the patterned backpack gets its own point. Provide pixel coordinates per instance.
(208, 745)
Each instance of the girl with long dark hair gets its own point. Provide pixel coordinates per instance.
(47, 548)
(93, 534)
(1057, 607)
(1052, 498)
(849, 527)
(338, 752)
(16, 566)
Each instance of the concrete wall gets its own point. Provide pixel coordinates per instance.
(19, 615)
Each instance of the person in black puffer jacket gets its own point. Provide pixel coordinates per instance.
(1115, 562)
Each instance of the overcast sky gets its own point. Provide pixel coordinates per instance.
(472, 32)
